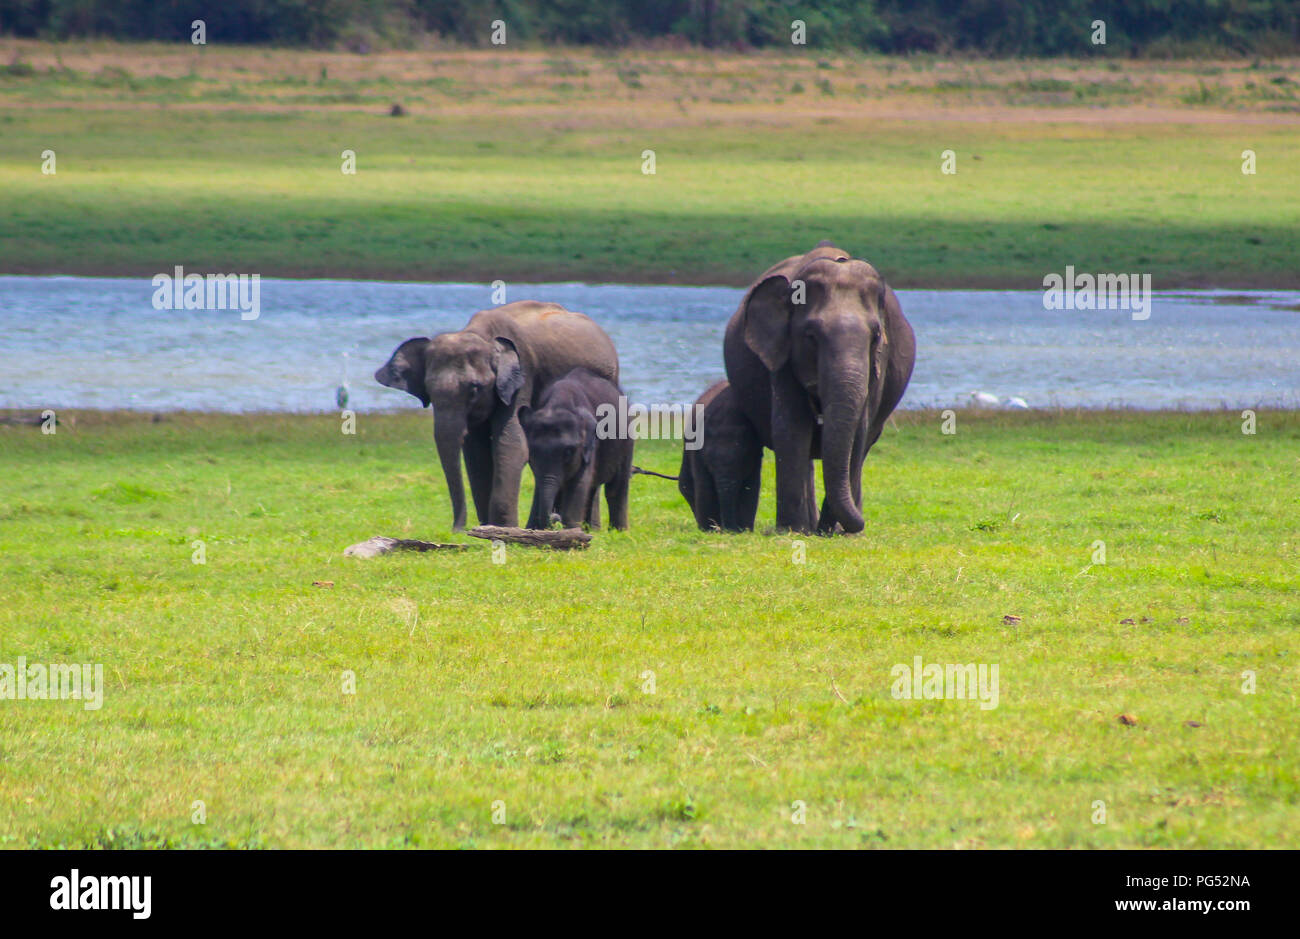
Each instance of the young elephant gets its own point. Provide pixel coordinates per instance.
(570, 463)
(721, 479)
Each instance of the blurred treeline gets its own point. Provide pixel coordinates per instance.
(989, 27)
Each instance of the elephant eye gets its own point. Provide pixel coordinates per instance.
(474, 389)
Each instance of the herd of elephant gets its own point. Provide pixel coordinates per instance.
(817, 356)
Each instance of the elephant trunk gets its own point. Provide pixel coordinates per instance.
(548, 486)
(449, 435)
(841, 421)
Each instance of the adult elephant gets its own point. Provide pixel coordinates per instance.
(818, 355)
(477, 379)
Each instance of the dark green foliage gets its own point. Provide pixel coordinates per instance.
(992, 27)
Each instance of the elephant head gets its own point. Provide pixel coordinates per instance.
(831, 324)
(465, 377)
(561, 447)
(404, 370)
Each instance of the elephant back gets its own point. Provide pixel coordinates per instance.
(551, 340)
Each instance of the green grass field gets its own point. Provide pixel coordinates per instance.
(524, 682)
(528, 167)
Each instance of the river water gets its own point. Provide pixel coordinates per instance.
(78, 342)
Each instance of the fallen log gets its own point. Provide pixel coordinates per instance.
(374, 547)
(564, 540)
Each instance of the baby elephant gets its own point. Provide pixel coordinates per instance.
(720, 480)
(569, 462)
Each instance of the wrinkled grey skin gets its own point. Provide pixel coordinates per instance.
(570, 463)
(477, 379)
(843, 356)
(720, 480)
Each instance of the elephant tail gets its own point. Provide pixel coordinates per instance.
(645, 472)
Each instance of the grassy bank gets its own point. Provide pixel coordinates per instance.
(527, 166)
(524, 682)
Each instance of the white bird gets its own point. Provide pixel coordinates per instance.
(1017, 403)
(982, 399)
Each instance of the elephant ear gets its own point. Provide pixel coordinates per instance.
(899, 351)
(767, 321)
(898, 331)
(510, 374)
(404, 370)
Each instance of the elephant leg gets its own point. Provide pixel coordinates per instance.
(593, 508)
(795, 497)
(860, 447)
(741, 503)
(509, 455)
(616, 493)
(728, 505)
(478, 465)
(571, 505)
(731, 479)
(686, 479)
(708, 513)
(810, 489)
(792, 438)
(747, 502)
